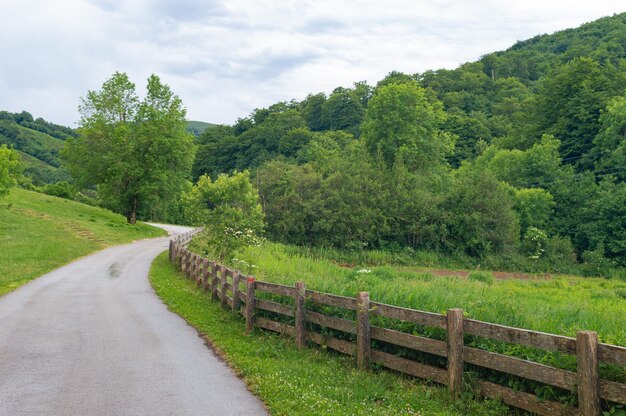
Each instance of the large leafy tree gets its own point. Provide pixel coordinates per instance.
(136, 152)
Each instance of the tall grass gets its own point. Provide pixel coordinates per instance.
(560, 305)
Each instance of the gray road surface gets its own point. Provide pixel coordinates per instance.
(92, 338)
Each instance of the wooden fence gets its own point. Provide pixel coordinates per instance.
(240, 294)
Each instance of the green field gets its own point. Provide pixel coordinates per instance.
(40, 232)
(559, 305)
(303, 382)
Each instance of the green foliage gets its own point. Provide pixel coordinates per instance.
(60, 189)
(10, 169)
(402, 120)
(137, 153)
(534, 207)
(481, 215)
(343, 110)
(534, 243)
(610, 144)
(569, 103)
(230, 212)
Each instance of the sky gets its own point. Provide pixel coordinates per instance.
(226, 58)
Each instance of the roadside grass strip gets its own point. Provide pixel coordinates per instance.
(39, 233)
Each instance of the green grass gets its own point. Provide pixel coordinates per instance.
(561, 305)
(39, 233)
(304, 382)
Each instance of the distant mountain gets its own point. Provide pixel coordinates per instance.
(197, 127)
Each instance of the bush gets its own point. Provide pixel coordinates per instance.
(60, 189)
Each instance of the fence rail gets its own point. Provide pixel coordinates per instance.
(240, 293)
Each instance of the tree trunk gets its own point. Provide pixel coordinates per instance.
(132, 217)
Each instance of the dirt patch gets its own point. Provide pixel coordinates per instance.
(464, 274)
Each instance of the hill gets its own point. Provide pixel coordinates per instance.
(39, 233)
(198, 127)
(38, 142)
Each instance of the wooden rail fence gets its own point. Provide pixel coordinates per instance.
(239, 293)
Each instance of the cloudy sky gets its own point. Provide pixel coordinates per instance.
(225, 58)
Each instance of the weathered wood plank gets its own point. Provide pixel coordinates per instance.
(615, 392)
(410, 367)
(526, 337)
(523, 368)
(300, 314)
(235, 289)
(223, 287)
(214, 282)
(363, 335)
(331, 300)
(612, 354)
(275, 326)
(455, 351)
(250, 303)
(268, 305)
(524, 401)
(410, 315)
(331, 322)
(336, 344)
(587, 369)
(431, 346)
(275, 288)
(229, 302)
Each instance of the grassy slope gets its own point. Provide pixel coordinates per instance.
(302, 382)
(39, 233)
(560, 305)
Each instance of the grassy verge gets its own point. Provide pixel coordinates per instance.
(303, 382)
(40, 232)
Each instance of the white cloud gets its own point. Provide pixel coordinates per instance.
(225, 58)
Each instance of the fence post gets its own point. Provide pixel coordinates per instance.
(363, 338)
(236, 275)
(199, 269)
(224, 289)
(250, 303)
(588, 379)
(300, 314)
(205, 274)
(171, 250)
(214, 281)
(455, 351)
(183, 262)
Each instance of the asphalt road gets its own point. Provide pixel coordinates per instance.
(92, 338)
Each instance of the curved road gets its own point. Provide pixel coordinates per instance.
(92, 338)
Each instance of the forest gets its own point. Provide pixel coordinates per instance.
(517, 159)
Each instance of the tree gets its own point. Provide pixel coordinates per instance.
(229, 210)
(400, 118)
(610, 143)
(135, 152)
(10, 168)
